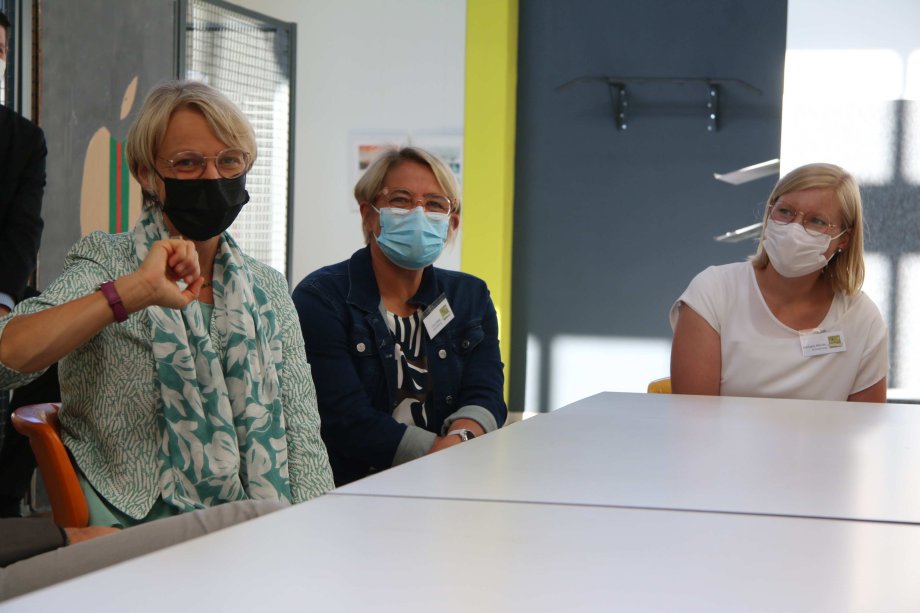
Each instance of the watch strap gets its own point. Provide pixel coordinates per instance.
(111, 295)
(463, 433)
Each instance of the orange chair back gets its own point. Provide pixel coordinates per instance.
(39, 422)
(660, 386)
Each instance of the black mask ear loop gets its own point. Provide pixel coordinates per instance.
(162, 204)
(151, 197)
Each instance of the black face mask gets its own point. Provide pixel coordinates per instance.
(203, 208)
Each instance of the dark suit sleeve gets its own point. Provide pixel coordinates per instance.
(21, 221)
(26, 537)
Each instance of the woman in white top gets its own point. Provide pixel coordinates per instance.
(792, 322)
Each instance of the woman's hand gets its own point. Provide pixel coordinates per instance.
(449, 440)
(168, 262)
(443, 442)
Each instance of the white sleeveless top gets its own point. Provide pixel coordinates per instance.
(763, 357)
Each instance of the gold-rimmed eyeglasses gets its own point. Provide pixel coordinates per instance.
(814, 224)
(230, 163)
(402, 198)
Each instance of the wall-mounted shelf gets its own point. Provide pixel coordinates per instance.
(748, 173)
(617, 88)
(736, 236)
(740, 177)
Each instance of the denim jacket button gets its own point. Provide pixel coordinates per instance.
(442, 353)
(449, 400)
(360, 347)
(466, 343)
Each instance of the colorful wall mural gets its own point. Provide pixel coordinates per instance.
(91, 87)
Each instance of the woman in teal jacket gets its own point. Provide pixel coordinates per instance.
(183, 378)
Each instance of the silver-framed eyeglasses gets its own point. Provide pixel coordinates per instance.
(814, 224)
(402, 198)
(230, 163)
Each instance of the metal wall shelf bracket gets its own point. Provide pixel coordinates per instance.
(619, 98)
(712, 119)
(619, 101)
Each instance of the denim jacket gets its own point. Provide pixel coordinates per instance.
(351, 351)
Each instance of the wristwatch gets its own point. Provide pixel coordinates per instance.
(463, 433)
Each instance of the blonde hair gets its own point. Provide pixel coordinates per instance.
(371, 182)
(146, 133)
(846, 270)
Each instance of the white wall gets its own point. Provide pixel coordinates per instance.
(363, 66)
(844, 66)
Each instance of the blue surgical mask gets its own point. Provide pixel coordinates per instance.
(413, 238)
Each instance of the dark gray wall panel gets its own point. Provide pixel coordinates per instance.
(610, 226)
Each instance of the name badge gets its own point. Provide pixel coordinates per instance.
(437, 315)
(820, 343)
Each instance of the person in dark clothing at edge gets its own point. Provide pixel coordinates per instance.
(22, 184)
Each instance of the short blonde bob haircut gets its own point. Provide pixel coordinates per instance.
(846, 270)
(370, 184)
(149, 127)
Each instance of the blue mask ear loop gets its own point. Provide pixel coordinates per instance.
(378, 223)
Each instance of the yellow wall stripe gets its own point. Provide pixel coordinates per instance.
(488, 153)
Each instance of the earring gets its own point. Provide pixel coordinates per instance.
(839, 249)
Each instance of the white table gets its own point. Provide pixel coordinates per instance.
(356, 553)
(536, 517)
(744, 455)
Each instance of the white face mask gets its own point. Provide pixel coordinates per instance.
(793, 251)
(2, 70)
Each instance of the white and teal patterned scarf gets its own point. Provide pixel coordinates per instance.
(219, 412)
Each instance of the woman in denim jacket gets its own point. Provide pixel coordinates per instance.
(404, 355)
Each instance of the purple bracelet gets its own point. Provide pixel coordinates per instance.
(111, 294)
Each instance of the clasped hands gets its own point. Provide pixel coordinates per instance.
(168, 262)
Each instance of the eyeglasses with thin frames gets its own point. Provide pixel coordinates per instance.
(402, 198)
(230, 163)
(815, 225)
